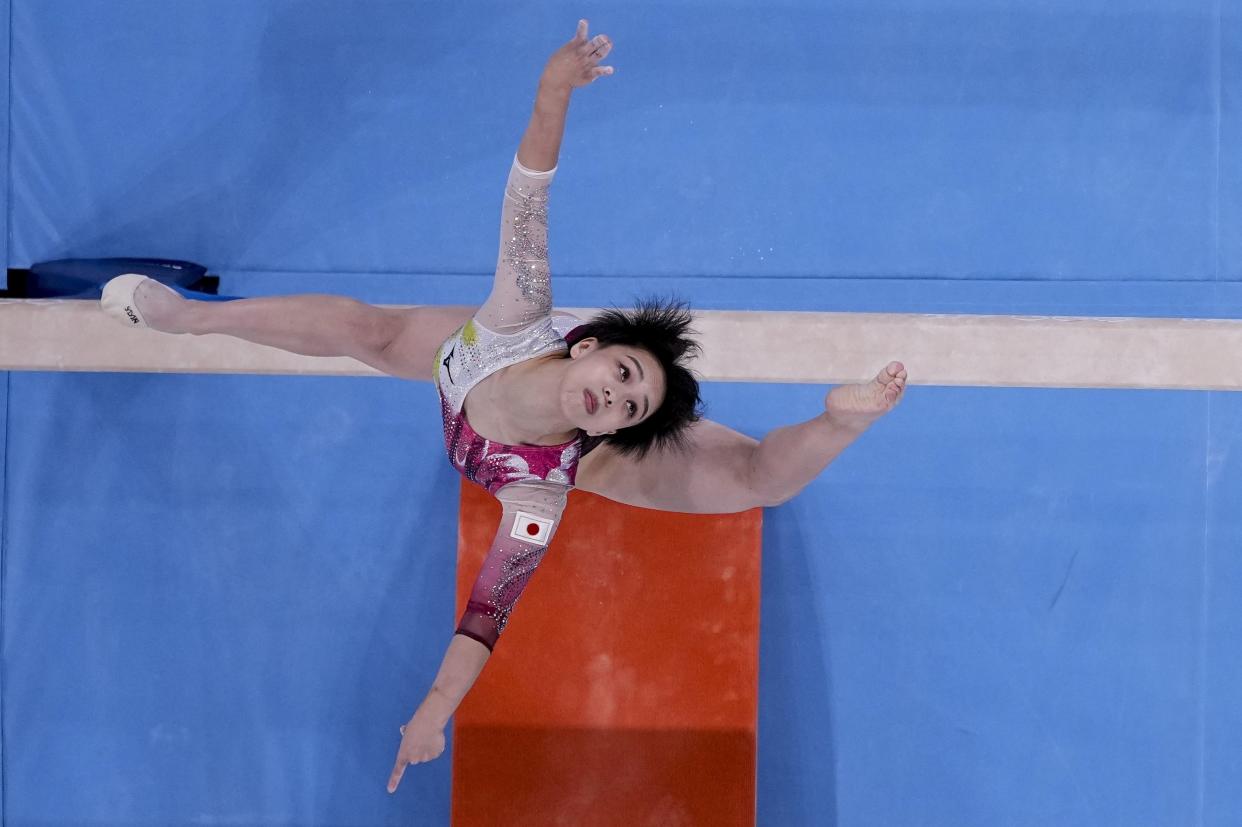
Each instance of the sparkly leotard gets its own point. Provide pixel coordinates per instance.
(515, 324)
(469, 356)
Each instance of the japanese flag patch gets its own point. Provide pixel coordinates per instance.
(531, 529)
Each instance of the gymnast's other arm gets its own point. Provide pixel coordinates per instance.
(531, 511)
(422, 739)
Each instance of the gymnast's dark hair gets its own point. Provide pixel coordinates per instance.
(659, 327)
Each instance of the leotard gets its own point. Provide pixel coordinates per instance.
(532, 482)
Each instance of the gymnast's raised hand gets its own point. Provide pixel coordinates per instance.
(577, 62)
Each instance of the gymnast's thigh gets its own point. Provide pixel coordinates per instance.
(419, 333)
(712, 476)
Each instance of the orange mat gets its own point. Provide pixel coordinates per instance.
(624, 690)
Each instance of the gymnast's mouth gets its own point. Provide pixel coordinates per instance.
(589, 402)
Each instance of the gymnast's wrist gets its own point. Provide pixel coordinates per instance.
(436, 708)
(552, 91)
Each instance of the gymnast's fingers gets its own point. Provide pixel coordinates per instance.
(599, 47)
(580, 36)
(395, 778)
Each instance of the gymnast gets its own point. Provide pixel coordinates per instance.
(535, 401)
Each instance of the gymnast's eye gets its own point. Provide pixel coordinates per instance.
(632, 408)
(625, 372)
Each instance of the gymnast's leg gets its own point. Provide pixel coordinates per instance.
(724, 471)
(398, 341)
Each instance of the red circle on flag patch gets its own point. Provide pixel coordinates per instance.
(532, 529)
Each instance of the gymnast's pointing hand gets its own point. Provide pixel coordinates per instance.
(420, 741)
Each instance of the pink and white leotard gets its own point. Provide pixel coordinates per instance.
(466, 358)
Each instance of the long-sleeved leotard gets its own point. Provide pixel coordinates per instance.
(515, 324)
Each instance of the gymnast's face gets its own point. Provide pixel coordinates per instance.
(610, 388)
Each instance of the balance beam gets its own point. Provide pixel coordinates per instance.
(738, 346)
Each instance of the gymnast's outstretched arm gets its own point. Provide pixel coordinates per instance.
(521, 292)
(522, 288)
(531, 512)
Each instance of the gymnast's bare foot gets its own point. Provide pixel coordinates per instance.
(857, 406)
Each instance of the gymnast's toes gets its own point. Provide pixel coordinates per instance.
(863, 403)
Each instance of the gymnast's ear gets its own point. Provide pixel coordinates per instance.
(582, 347)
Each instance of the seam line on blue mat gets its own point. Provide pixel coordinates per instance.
(1205, 593)
(1217, 81)
(4, 468)
(4, 570)
(8, 160)
(968, 278)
